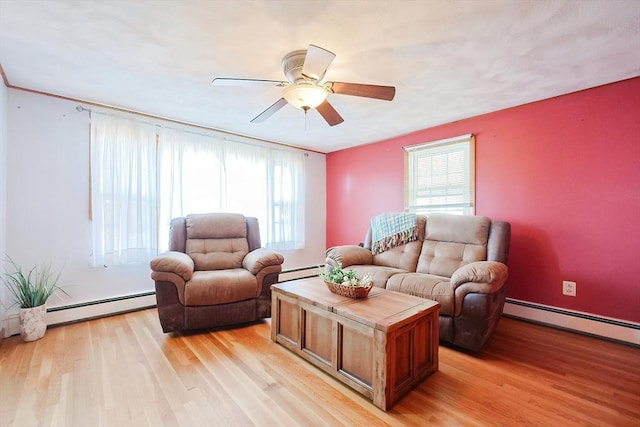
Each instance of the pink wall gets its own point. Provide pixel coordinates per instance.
(565, 172)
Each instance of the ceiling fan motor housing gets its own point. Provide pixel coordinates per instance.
(292, 65)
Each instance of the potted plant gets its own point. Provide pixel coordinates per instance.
(30, 292)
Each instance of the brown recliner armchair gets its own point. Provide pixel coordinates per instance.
(215, 273)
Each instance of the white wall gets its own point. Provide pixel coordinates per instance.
(3, 191)
(47, 215)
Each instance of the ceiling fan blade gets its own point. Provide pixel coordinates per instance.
(329, 113)
(368, 91)
(269, 111)
(226, 81)
(316, 62)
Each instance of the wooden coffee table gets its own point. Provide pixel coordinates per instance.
(381, 346)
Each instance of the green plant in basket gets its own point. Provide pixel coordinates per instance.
(335, 274)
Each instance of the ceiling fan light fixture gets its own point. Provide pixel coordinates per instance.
(304, 95)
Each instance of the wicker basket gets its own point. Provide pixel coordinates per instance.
(349, 291)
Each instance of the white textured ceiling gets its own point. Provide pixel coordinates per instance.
(448, 59)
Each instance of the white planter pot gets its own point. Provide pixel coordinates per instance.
(33, 323)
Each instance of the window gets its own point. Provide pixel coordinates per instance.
(440, 176)
(143, 175)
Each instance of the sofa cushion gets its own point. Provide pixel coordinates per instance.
(220, 287)
(404, 257)
(379, 274)
(458, 228)
(452, 241)
(436, 288)
(443, 258)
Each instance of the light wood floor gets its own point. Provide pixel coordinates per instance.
(123, 371)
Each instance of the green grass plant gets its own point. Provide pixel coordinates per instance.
(33, 288)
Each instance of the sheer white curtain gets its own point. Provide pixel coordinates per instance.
(123, 190)
(190, 177)
(246, 185)
(267, 183)
(286, 200)
(143, 175)
(201, 173)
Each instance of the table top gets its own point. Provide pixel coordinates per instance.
(382, 309)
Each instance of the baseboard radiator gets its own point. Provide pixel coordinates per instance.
(299, 273)
(84, 311)
(599, 326)
(575, 321)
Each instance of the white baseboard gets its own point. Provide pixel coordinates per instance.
(78, 312)
(600, 326)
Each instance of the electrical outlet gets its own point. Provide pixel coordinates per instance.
(569, 288)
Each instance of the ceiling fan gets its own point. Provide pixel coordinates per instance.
(304, 89)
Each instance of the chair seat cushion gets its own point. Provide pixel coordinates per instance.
(429, 286)
(220, 287)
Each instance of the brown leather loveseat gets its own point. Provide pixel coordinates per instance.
(459, 261)
(215, 273)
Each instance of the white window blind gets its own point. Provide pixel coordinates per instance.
(440, 176)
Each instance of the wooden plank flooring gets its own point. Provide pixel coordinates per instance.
(123, 371)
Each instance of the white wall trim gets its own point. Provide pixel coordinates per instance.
(600, 326)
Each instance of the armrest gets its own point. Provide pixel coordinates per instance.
(261, 258)
(174, 262)
(491, 273)
(347, 255)
(481, 277)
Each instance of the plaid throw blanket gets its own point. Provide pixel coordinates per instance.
(392, 229)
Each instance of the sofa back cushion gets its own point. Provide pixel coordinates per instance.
(216, 241)
(405, 256)
(452, 241)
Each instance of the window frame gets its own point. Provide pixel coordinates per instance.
(464, 144)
